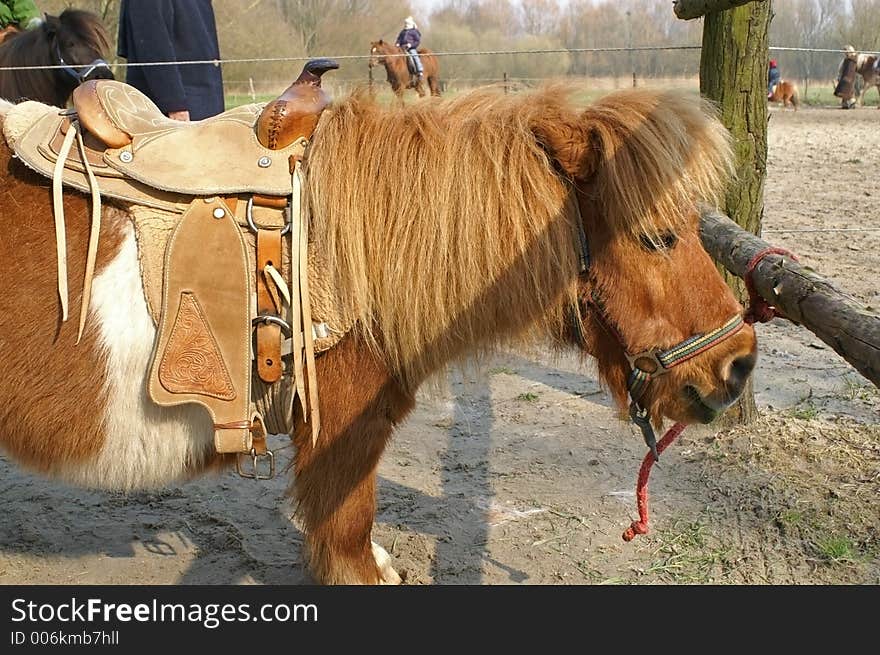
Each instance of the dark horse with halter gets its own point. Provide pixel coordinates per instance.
(75, 41)
(394, 60)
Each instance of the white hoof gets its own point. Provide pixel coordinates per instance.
(383, 561)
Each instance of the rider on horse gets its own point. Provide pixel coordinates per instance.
(409, 40)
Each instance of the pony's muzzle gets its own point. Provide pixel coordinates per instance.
(735, 375)
(98, 70)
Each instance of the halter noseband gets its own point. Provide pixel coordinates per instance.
(649, 364)
(72, 70)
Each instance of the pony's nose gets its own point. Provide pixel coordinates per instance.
(100, 71)
(738, 373)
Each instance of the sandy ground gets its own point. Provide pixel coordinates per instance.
(520, 472)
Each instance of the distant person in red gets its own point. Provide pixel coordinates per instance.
(773, 78)
(173, 30)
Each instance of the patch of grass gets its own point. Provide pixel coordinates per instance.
(528, 397)
(837, 548)
(804, 411)
(855, 390)
(791, 518)
(688, 554)
(502, 369)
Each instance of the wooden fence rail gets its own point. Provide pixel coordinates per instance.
(850, 328)
(690, 9)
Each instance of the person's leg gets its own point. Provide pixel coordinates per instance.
(418, 62)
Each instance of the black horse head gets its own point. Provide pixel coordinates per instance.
(75, 41)
(79, 42)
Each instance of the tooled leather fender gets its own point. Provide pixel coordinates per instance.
(295, 113)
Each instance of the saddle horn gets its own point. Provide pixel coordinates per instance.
(294, 114)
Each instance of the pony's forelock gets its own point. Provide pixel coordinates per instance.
(664, 155)
(87, 26)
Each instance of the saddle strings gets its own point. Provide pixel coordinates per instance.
(73, 133)
(94, 233)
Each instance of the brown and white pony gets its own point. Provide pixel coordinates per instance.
(865, 66)
(537, 220)
(394, 61)
(785, 92)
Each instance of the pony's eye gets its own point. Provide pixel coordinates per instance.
(664, 241)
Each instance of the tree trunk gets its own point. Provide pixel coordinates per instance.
(733, 74)
(688, 9)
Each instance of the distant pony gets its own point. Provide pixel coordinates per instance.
(394, 60)
(866, 66)
(76, 40)
(785, 92)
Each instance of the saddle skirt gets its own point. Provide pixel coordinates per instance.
(175, 180)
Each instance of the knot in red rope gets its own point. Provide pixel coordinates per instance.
(641, 526)
(636, 527)
(759, 310)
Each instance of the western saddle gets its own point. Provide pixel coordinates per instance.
(230, 181)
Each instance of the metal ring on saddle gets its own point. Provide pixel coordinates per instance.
(269, 318)
(249, 215)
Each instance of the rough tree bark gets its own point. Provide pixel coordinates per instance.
(850, 328)
(733, 73)
(688, 9)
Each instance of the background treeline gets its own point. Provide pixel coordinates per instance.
(293, 28)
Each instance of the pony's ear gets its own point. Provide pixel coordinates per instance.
(381, 42)
(569, 145)
(51, 24)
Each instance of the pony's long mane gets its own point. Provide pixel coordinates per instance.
(34, 48)
(449, 228)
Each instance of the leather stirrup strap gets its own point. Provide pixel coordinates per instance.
(268, 335)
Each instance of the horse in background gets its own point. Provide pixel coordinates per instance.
(785, 92)
(394, 59)
(76, 40)
(866, 66)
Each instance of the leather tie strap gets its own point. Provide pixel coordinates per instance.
(268, 334)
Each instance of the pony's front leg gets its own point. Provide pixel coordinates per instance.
(335, 481)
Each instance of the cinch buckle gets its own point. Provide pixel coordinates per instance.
(254, 472)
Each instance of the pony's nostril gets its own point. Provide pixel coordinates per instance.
(740, 369)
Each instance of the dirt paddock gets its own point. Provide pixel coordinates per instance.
(520, 473)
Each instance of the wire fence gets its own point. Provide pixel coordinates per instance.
(461, 53)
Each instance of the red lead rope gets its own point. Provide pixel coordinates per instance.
(641, 526)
